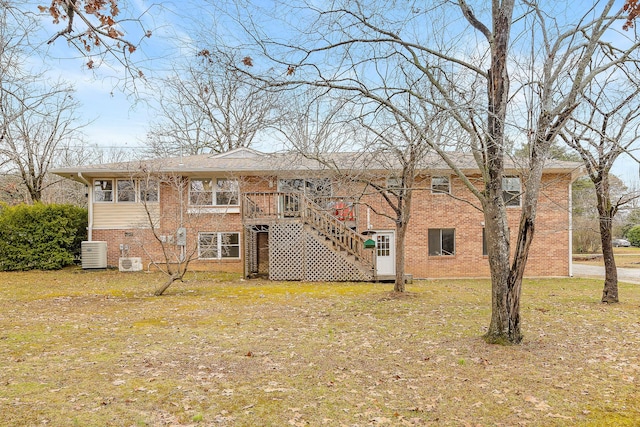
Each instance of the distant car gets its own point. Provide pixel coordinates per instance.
(621, 243)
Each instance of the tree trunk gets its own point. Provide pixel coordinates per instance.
(172, 278)
(610, 291)
(605, 222)
(501, 329)
(403, 215)
(401, 231)
(503, 319)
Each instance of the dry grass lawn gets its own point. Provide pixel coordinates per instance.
(96, 349)
(625, 258)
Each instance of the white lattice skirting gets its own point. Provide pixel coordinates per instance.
(297, 252)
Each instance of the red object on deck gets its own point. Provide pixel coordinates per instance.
(344, 212)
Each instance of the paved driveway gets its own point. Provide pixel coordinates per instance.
(630, 275)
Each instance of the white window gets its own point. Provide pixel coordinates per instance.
(204, 192)
(383, 245)
(126, 190)
(219, 245)
(511, 190)
(148, 190)
(318, 187)
(394, 183)
(440, 185)
(311, 187)
(103, 190)
(442, 241)
(227, 192)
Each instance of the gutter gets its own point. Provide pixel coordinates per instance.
(575, 174)
(89, 206)
(571, 229)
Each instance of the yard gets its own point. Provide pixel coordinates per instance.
(625, 258)
(96, 349)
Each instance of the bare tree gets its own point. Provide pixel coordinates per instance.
(169, 228)
(42, 125)
(61, 190)
(602, 128)
(96, 29)
(379, 53)
(387, 158)
(209, 107)
(37, 118)
(174, 230)
(15, 27)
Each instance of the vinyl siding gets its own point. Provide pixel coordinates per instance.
(123, 215)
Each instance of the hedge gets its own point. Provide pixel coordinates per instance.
(633, 235)
(41, 237)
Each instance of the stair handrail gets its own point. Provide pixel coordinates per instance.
(335, 230)
(312, 214)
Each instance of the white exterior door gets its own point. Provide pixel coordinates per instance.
(385, 253)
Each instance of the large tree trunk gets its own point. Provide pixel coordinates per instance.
(605, 222)
(497, 237)
(503, 318)
(401, 231)
(610, 291)
(402, 222)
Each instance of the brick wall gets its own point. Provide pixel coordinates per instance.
(549, 255)
(549, 252)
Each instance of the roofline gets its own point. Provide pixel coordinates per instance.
(81, 174)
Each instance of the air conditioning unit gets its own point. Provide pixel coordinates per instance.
(130, 264)
(94, 254)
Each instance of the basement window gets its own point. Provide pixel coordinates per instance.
(442, 241)
(219, 245)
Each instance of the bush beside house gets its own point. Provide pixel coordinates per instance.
(633, 236)
(41, 237)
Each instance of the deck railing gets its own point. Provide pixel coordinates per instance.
(328, 220)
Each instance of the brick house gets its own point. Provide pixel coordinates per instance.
(289, 218)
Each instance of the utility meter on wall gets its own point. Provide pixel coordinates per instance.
(181, 236)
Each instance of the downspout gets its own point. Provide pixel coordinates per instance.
(570, 229)
(89, 206)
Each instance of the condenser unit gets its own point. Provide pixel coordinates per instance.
(94, 254)
(130, 264)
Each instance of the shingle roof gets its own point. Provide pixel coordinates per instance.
(245, 160)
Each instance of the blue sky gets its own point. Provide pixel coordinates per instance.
(120, 118)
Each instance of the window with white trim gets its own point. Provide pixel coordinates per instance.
(442, 241)
(206, 192)
(311, 187)
(148, 190)
(511, 190)
(126, 190)
(219, 245)
(394, 183)
(103, 190)
(383, 245)
(440, 185)
(226, 192)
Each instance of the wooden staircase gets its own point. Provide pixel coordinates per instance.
(281, 207)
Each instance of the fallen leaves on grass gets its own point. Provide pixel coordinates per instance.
(229, 352)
